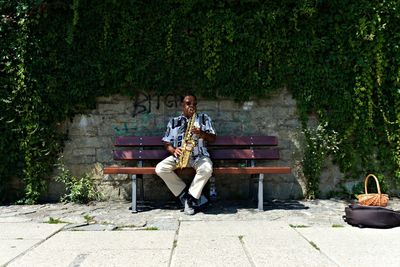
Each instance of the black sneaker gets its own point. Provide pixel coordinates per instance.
(201, 202)
(182, 197)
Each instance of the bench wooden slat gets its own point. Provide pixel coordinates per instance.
(137, 141)
(228, 154)
(216, 170)
(251, 170)
(140, 154)
(270, 154)
(245, 141)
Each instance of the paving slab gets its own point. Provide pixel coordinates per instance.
(244, 243)
(138, 258)
(11, 248)
(17, 238)
(108, 248)
(352, 246)
(281, 246)
(209, 250)
(12, 219)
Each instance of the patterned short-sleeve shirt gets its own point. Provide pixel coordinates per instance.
(176, 130)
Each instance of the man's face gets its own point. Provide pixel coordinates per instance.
(189, 106)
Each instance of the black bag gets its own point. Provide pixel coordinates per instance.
(371, 216)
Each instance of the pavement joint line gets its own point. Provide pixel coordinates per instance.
(174, 244)
(277, 218)
(34, 246)
(246, 251)
(78, 260)
(319, 250)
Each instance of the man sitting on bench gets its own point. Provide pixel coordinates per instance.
(185, 139)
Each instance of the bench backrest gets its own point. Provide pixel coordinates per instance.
(224, 148)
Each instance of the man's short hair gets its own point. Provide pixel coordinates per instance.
(188, 94)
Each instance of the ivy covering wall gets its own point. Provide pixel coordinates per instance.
(340, 60)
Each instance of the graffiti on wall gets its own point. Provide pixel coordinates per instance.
(144, 121)
(145, 125)
(143, 103)
(120, 131)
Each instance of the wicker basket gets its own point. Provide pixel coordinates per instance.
(378, 199)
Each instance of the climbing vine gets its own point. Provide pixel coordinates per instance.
(339, 59)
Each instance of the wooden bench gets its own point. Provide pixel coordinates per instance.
(149, 149)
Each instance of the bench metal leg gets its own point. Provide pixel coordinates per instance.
(261, 192)
(141, 190)
(134, 207)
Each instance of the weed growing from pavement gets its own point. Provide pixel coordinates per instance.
(151, 228)
(337, 225)
(298, 226)
(88, 218)
(55, 221)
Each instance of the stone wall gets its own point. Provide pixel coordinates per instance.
(91, 137)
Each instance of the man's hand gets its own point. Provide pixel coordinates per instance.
(204, 135)
(173, 151)
(197, 131)
(177, 152)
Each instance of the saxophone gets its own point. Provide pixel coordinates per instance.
(187, 145)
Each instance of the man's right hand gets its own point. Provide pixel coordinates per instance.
(173, 151)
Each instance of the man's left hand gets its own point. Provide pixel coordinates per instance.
(198, 132)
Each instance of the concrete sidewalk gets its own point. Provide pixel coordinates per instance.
(293, 233)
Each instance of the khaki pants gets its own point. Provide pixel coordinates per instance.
(203, 166)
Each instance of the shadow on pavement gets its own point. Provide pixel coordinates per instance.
(152, 205)
(229, 207)
(284, 205)
(225, 206)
